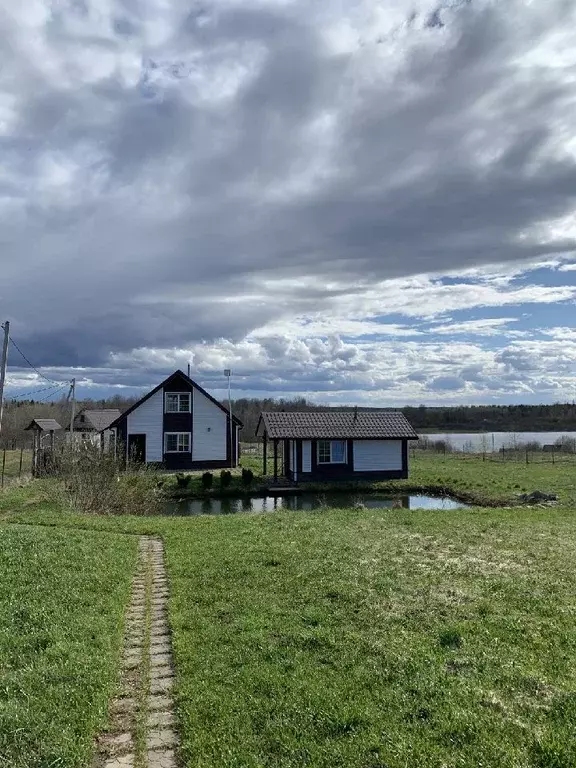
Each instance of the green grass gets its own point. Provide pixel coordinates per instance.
(62, 599)
(370, 638)
(373, 640)
(12, 465)
(469, 477)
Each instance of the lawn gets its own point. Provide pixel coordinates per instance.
(62, 599)
(369, 638)
(403, 639)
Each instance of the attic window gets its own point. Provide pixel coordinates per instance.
(178, 402)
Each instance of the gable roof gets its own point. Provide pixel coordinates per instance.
(311, 425)
(45, 425)
(98, 419)
(169, 379)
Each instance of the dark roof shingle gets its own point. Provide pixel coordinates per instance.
(46, 425)
(336, 424)
(97, 419)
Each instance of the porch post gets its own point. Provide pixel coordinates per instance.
(265, 454)
(275, 460)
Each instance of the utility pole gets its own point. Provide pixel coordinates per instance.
(6, 327)
(228, 374)
(73, 395)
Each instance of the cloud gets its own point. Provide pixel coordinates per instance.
(210, 178)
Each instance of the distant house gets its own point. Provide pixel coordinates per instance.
(179, 425)
(333, 445)
(94, 426)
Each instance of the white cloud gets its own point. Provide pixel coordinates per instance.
(273, 177)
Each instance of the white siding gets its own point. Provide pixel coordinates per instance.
(306, 456)
(148, 419)
(291, 455)
(209, 430)
(377, 455)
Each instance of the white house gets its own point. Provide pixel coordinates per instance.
(180, 426)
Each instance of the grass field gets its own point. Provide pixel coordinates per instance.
(12, 464)
(369, 638)
(62, 598)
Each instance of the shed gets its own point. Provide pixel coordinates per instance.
(338, 445)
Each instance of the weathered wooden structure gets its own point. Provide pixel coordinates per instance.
(43, 444)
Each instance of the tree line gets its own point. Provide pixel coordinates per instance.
(559, 417)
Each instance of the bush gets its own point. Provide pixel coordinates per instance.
(207, 480)
(94, 482)
(225, 478)
(247, 477)
(183, 481)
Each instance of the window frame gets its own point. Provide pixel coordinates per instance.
(331, 442)
(177, 435)
(179, 395)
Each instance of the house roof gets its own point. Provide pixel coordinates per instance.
(44, 425)
(98, 420)
(311, 425)
(175, 375)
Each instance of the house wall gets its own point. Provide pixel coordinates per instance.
(210, 438)
(365, 460)
(377, 455)
(148, 419)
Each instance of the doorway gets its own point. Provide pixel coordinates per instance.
(137, 449)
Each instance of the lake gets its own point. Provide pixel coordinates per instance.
(307, 502)
(488, 441)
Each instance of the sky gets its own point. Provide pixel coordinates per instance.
(355, 201)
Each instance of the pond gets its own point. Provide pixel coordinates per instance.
(307, 501)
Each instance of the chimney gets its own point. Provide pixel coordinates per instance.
(355, 414)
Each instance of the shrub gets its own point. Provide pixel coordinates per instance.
(207, 480)
(247, 477)
(183, 481)
(225, 478)
(93, 482)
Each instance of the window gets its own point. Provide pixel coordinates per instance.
(331, 452)
(177, 442)
(178, 402)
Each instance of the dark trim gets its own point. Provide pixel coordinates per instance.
(344, 474)
(405, 456)
(342, 437)
(168, 382)
(299, 457)
(350, 455)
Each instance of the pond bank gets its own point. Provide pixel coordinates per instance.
(470, 498)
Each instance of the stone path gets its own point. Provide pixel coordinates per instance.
(142, 732)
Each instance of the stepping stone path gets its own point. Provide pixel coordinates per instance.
(142, 731)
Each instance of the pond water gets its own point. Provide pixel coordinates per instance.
(307, 501)
(488, 441)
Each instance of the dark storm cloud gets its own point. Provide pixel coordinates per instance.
(148, 201)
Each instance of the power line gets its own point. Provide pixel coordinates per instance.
(42, 399)
(53, 381)
(34, 391)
